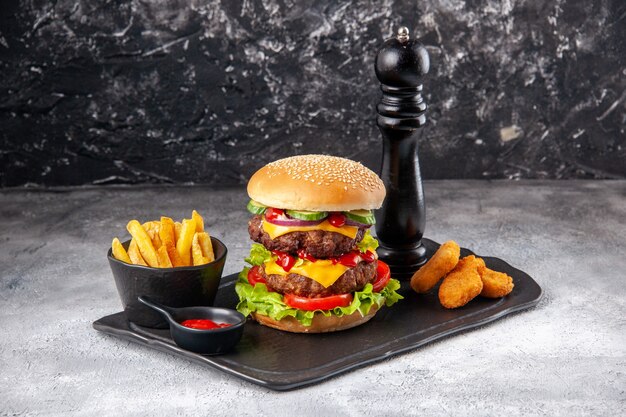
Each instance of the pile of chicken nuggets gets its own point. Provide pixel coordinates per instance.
(463, 279)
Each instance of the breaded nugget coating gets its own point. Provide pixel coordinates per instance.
(495, 284)
(461, 285)
(471, 261)
(442, 262)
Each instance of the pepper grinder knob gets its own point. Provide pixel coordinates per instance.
(400, 65)
(403, 34)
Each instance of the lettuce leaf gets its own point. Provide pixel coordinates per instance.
(258, 255)
(259, 299)
(368, 243)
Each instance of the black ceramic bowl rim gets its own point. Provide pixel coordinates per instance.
(176, 268)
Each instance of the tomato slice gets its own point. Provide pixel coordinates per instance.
(285, 260)
(383, 275)
(322, 303)
(255, 277)
(273, 213)
(337, 219)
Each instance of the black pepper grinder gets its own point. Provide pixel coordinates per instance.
(400, 65)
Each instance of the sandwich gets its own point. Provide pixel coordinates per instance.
(313, 267)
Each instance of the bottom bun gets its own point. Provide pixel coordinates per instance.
(320, 323)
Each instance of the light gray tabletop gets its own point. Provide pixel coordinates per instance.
(565, 357)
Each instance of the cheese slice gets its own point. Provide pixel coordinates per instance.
(275, 231)
(322, 271)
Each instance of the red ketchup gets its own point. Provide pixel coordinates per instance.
(351, 259)
(203, 324)
(285, 260)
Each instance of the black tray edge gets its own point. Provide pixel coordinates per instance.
(206, 360)
(129, 334)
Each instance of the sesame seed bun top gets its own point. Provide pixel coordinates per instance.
(317, 183)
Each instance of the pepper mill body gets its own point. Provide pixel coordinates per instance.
(400, 223)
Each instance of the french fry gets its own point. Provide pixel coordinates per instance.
(177, 228)
(134, 254)
(166, 231)
(164, 259)
(119, 252)
(156, 240)
(154, 237)
(199, 221)
(144, 243)
(149, 225)
(207, 247)
(152, 228)
(183, 245)
(196, 252)
(165, 243)
(173, 254)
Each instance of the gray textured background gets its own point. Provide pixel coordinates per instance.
(566, 357)
(97, 92)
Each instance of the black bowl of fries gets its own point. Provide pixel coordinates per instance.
(176, 266)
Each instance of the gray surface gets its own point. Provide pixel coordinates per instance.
(566, 357)
(137, 91)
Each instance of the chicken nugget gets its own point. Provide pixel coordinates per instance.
(495, 284)
(442, 262)
(479, 263)
(461, 285)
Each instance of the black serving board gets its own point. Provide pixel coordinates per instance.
(284, 361)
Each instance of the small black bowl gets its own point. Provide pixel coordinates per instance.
(177, 287)
(208, 342)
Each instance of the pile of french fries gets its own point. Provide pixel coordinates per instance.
(166, 244)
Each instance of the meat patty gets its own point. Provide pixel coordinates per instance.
(318, 243)
(352, 280)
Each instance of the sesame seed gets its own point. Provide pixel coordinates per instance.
(326, 170)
